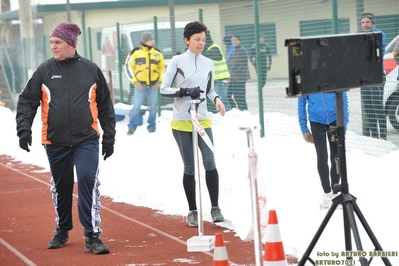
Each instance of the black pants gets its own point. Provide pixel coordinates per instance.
(84, 157)
(374, 115)
(263, 75)
(238, 91)
(320, 138)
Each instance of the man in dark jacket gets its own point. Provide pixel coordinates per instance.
(239, 74)
(265, 57)
(74, 96)
(374, 115)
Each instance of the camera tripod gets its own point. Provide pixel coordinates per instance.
(347, 200)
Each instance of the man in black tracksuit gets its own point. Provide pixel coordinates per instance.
(74, 96)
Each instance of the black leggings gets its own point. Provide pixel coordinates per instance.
(185, 143)
(320, 137)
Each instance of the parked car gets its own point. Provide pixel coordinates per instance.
(391, 87)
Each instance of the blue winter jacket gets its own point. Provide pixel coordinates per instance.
(320, 108)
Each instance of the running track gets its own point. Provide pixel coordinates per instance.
(135, 235)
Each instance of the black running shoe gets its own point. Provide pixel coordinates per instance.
(59, 239)
(216, 214)
(95, 245)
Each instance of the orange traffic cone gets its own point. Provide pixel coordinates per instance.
(220, 253)
(274, 250)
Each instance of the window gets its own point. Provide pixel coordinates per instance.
(247, 34)
(323, 27)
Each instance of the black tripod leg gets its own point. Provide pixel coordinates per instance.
(347, 230)
(370, 233)
(317, 236)
(348, 209)
(343, 199)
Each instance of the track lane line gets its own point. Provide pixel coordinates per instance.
(118, 214)
(16, 253)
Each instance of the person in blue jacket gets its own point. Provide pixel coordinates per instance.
(319, 112)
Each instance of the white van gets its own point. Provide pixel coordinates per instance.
(130, 37)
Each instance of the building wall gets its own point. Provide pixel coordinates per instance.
(286, 14)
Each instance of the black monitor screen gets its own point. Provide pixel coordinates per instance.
(334, 62)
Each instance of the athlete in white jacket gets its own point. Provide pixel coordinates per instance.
(190, 76)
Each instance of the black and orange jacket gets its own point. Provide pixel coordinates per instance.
(74, 96)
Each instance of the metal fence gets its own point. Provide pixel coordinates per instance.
(275, 20)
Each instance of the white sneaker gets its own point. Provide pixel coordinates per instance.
(326, 201)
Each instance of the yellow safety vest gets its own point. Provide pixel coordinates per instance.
(221, 70)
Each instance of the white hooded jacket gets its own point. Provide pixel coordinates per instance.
(189, 70)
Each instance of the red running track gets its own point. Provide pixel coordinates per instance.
(135, 235)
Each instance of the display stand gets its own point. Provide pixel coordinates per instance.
(335, 64)
(200, 242)
(347, 200)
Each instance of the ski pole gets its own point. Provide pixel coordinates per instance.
(193, 112)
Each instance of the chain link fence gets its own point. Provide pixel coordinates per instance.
(275, 21)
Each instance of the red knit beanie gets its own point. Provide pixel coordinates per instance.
(67, 32)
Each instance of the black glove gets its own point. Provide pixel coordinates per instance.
(25, 139)
(108, 150)
(193, 92)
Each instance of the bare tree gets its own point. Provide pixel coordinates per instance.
(5, 25)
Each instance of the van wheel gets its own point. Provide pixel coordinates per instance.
(392, 108)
